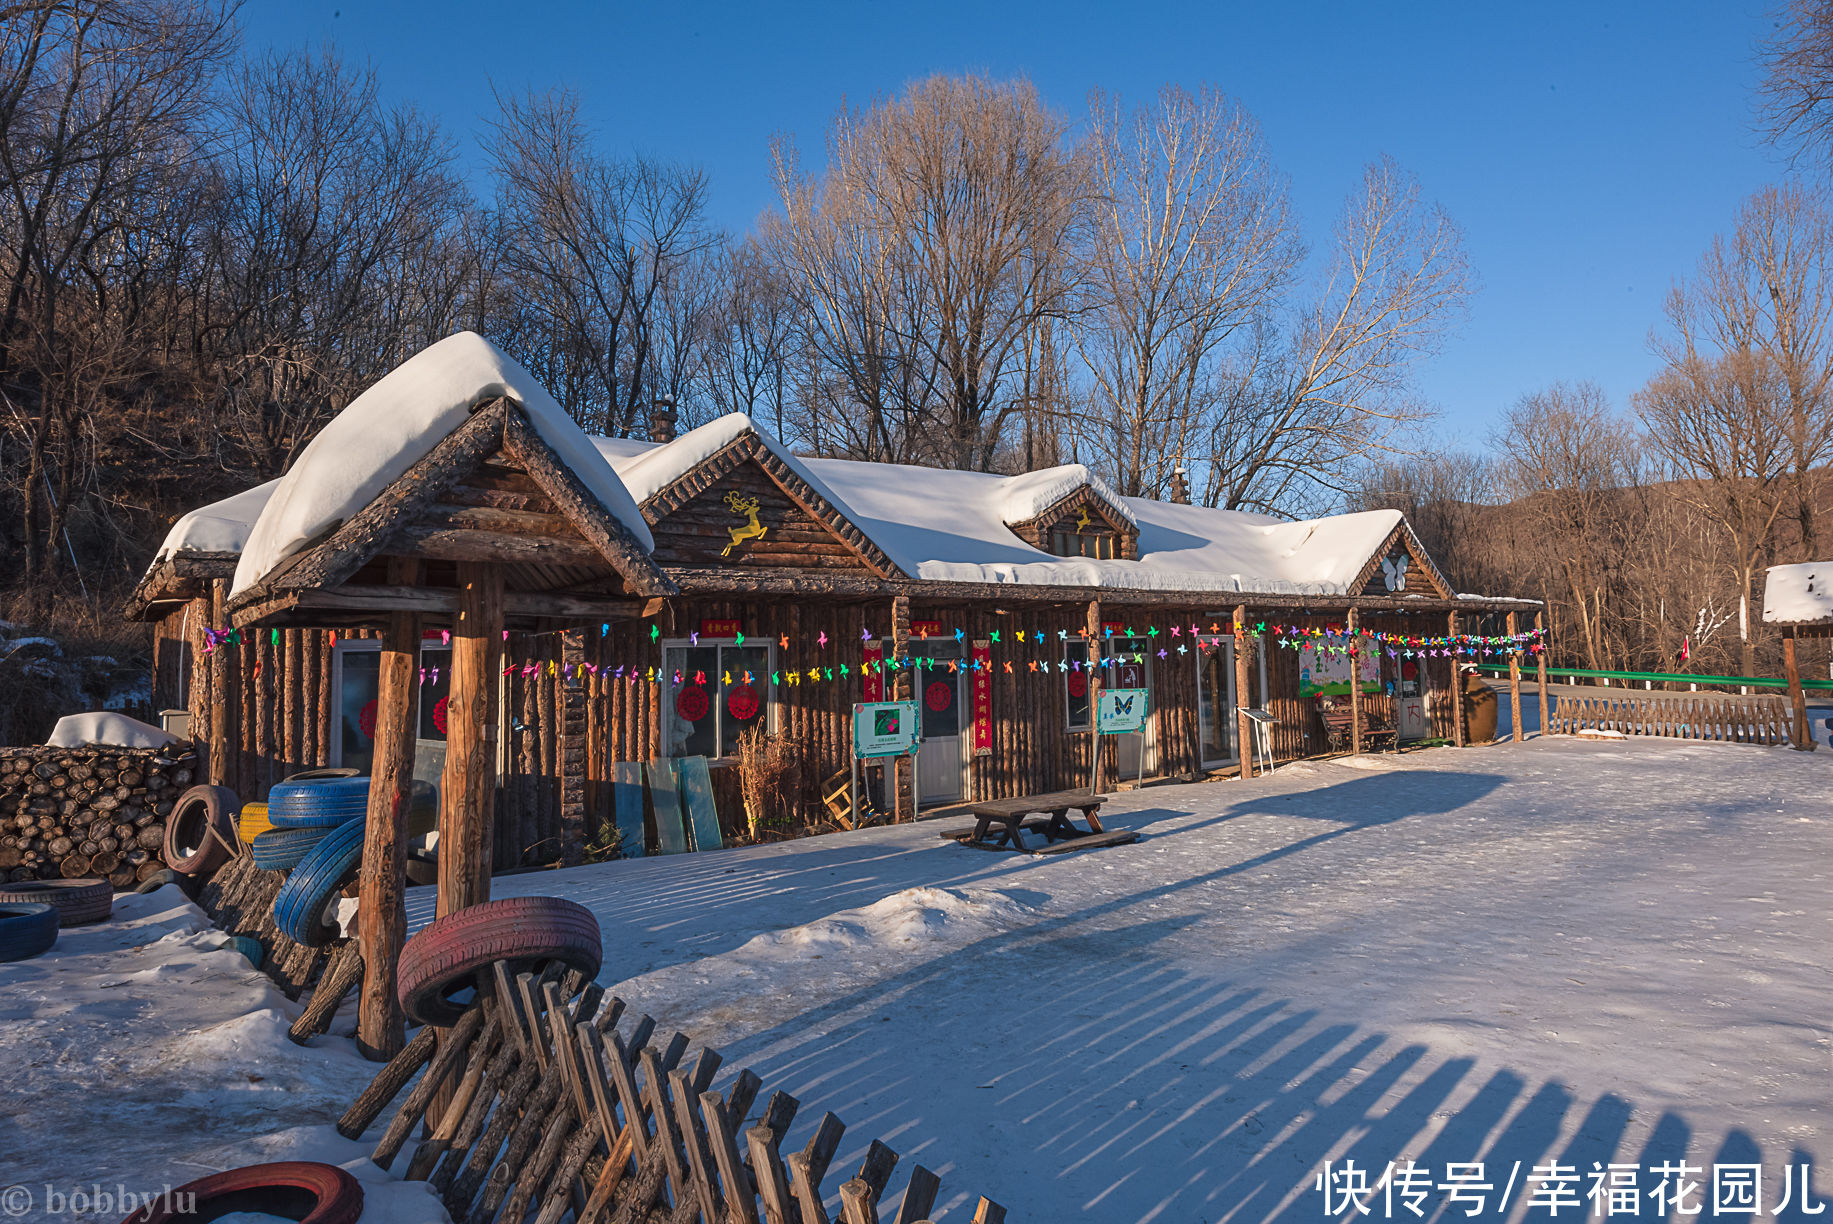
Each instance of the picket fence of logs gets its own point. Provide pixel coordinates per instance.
(1700, 716)
(239, 899)
(551, 1113)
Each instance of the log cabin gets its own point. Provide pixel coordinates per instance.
(661, 597)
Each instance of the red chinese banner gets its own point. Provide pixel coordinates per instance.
(720, 628)
(925, 629)
(983, 698)
(875, 679)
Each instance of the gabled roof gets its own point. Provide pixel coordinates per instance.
(1420, 564)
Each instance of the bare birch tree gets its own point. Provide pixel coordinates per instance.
(1190, 239)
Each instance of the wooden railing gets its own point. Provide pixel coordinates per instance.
(1700, 716)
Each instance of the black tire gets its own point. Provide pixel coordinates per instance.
(302, 1190)
(281, 849)
(442, 961)
(158, 880)
(301, 905)
(331, 771)
(26, 930)
(191, 848)
(76, 901)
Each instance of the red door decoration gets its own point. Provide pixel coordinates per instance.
(692, 704)
(875, 679)
(720, 628)
(742, 703)
(926, 628)
(1078, 684)
(439, 714)
(366, 720)
(983, 698)
(938, 695)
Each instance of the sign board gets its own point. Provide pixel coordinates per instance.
(720, 628)
(1120, 711)
(884, 728)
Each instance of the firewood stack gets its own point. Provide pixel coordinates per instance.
(88, 812)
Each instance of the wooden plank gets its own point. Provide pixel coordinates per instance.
(808, 1167)
(696, 789)
(671, 834)
(627, 790)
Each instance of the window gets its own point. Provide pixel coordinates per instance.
(1075, 686)
(722, 691)
(1096, 543)
(358, 677)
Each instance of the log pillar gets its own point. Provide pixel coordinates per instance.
(1091, 628)
(1244, 727)
(1791, 666)
(1514, 684)
(1457, 685)
(1355, 685)
(225, 671)
(900, 689)
(382, 883)
(467, 799)
(573, 833)
(1540, 670)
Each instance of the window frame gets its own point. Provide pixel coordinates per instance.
(373, 645)
(771, 701)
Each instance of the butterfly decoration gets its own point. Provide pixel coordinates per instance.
(1394, 572)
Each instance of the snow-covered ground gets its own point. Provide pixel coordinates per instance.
(1554, 951)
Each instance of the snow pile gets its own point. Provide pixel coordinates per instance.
(145, 1051)
(395, 424)
(107, 727)
(1796, 593)
(220, 527)
(802, 965)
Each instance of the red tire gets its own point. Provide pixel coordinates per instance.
(190, 846)
(302, 1190)
(441, 963)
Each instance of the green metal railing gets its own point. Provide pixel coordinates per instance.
(1501, 669)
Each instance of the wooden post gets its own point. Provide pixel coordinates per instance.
(1514, 685)
(225, 671)
(1092, 660)
(467, 799)
(1355, 686)
(1540, 670)
(1244, 727)
(900, 690)
(1801, 739)
(572, 710)
(1457, 686)
(382, 883)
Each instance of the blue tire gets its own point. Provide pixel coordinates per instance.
(26, 929)
(301, 906)
(317, 803)
(281, 849)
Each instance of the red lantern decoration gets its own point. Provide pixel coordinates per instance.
(742, 703)
(939, 695)
(692, 704)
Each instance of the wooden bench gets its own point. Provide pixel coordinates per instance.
(1002, 823)
(1338, 724)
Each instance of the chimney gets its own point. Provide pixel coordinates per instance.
(662, 419)
(1180, 487)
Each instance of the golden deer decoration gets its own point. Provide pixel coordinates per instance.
(752, 530)
(1082, 519)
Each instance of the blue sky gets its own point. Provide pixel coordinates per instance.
(1590, 151)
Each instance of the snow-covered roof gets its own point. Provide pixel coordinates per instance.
(109, 728)
(396, 423)
(1799, 593)
(933, 523)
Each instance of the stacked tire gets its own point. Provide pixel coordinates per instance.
(439, 967)
(75, 902)
(27, 929)
(201, 830)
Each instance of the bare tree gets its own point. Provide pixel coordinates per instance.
(1566, 458)
(943, 229)
(1304, 403)
(750, 337)
(1191, 238)
(1795, 96)
(1443, 494)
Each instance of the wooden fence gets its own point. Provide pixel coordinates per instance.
(1700, 716)
(539, 1109)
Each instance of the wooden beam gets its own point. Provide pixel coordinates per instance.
(224, 675)
(1514, 685)
(387, 598)
(1791, 667)
(440, 543)
(1355, 686)
(1091, 660)
(613, 540)
(382, 882)
(1540, 671)
(1244, 727)
(1457, 685)
(467, 799)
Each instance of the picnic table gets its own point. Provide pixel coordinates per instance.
(1002, 823)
